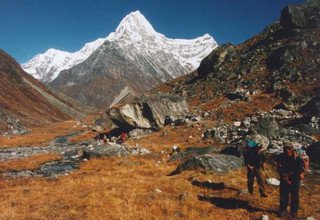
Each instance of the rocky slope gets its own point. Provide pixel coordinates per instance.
(266, 87)
(25, 102)
(282, 62)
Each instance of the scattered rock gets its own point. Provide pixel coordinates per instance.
(237, 123)
(273, 181)
(158, 190)
(139, 133)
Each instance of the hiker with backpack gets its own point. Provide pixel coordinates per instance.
(254, 159)
(291, 170)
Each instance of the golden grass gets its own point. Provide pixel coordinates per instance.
(126, 188)
(41, 135)
(28, 163)
(89, 135)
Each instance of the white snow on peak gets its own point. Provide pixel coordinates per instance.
(47, 66)
(136, 36)
(132, 26)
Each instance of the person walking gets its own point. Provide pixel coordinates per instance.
(291, 170)
(254, 159)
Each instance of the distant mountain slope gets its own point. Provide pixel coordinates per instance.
(25, 101)
(133, 59)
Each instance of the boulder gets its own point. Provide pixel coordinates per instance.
(57, 168)
(149, 112)
(216, 58)
(219, 163)
(192, 151)
(268, 127)
(238, 95)
(106, 150)
(292, 17)
(301, 16)
(209, 134)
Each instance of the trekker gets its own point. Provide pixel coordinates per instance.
(291, 171)
(254, 159)
(123, 136)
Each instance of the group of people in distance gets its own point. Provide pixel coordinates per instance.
(290, 166)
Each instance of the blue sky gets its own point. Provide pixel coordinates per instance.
(29, 27)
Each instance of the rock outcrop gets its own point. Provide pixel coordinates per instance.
(149, 112)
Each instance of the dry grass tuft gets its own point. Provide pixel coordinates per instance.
(29, 163)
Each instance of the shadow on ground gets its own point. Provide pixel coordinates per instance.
(213, 186)
(229, 203)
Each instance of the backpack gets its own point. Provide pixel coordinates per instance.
(251, 144)
(303, 155)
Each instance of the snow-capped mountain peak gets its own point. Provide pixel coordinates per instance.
(135, 35)
(139, 43)
(132, 26)
(47, 66)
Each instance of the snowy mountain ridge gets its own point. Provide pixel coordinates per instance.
(135, 35)
(47, 66)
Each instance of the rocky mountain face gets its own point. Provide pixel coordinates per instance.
(266, 88)
(25, 102)
(131, 60)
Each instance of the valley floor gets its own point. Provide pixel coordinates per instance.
(138, 187)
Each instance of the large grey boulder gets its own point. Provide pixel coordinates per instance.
(268, 127)
(149, 112)
(219, 163)
(193, 151)
(106, 150)
(301, 16)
